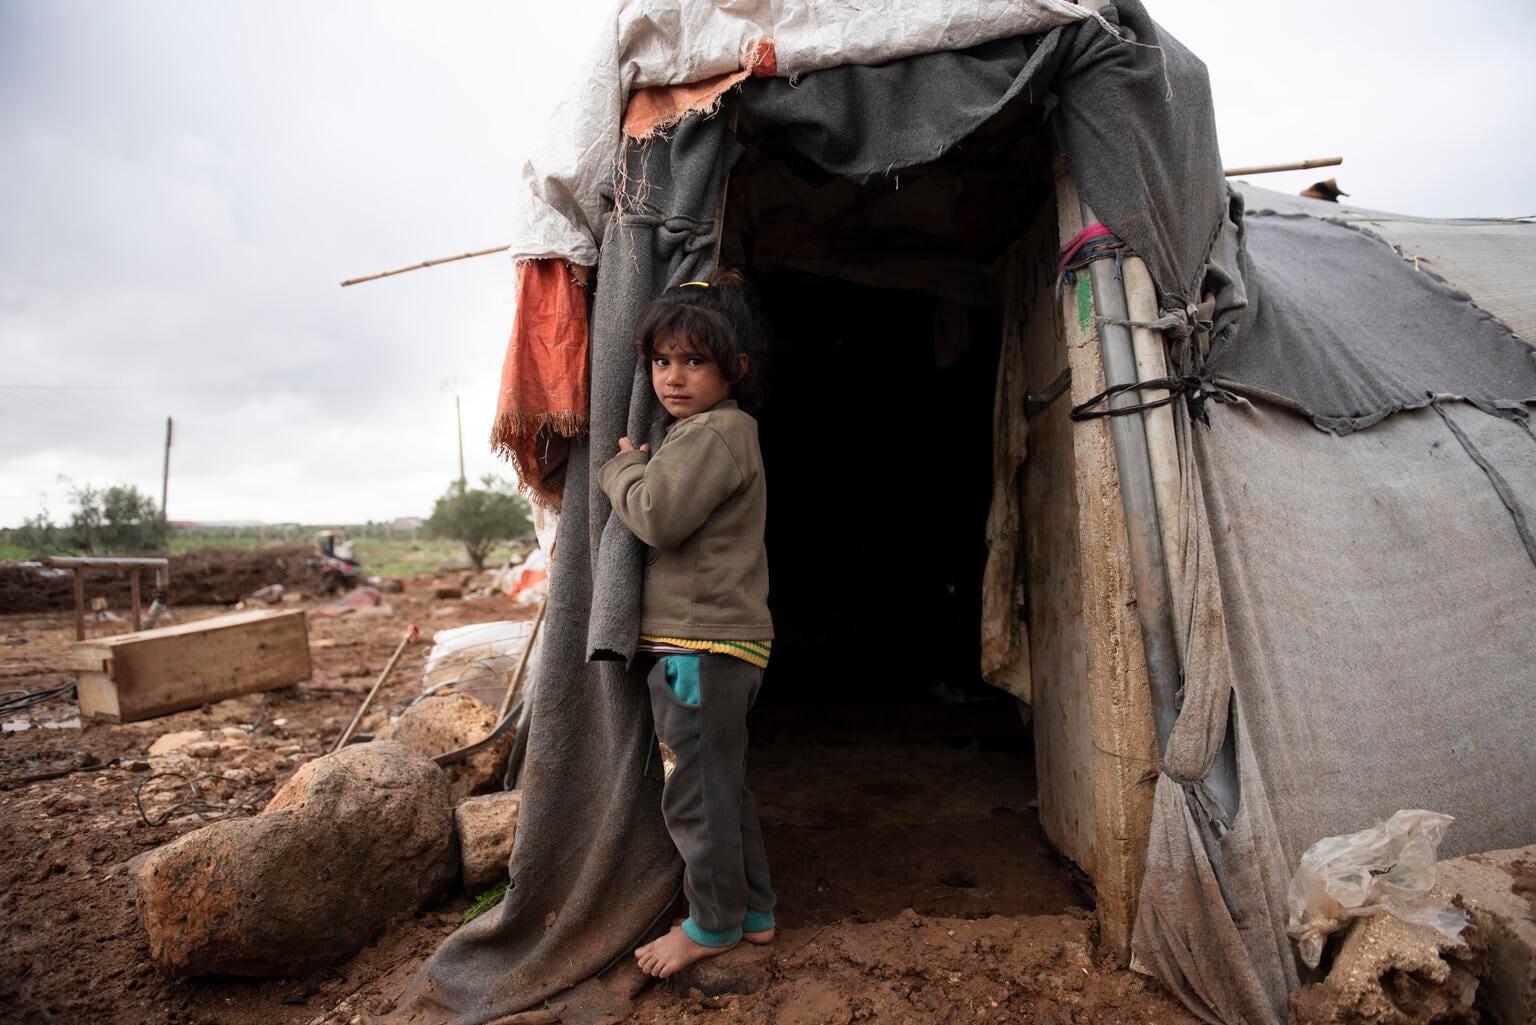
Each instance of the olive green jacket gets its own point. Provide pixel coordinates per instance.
(701, 502)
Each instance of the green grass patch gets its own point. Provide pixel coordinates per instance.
(404, 558)
(483, 903)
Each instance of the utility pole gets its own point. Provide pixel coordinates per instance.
(159, 608)
(463, 481)
(165, 480)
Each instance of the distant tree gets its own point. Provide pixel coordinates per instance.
(37, 534)
(117, 519)
(481, 517)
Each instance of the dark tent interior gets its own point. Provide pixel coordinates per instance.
(889, 774)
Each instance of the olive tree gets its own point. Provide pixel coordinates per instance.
(480, 517)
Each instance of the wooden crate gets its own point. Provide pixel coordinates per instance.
(155, 672)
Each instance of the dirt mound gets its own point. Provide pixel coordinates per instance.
(208, 576)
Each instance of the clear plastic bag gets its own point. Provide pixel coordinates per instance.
(1387, 868)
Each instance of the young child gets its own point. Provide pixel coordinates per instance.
(700, 502)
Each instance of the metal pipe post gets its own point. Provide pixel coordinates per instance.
(1149, 571)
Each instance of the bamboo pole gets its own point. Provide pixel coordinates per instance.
(1300, 165)
(424, 264)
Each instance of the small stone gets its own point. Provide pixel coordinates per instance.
(204, 749)
(447, 722)
(286, 750)
(487, 826)
(172, 742)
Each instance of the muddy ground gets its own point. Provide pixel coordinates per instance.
(914, 882)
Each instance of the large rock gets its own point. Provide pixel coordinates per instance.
(351, 840)
(487, 827)
(447, 722)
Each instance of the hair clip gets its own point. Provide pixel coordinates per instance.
(694, 284)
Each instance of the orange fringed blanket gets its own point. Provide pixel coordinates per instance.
(544, 379)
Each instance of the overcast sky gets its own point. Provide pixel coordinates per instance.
(186, 183)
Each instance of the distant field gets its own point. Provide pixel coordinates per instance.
(380, 556)
(402, 557)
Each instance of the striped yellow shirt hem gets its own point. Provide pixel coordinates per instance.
(755, 652)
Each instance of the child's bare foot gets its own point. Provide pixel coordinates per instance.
(760, 938)
(674, 952)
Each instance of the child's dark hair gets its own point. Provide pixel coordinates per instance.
(719, 317)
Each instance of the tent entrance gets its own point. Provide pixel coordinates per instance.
(888, 775)
(879, 458)
(886, 298)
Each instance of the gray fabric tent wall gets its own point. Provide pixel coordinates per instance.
(1378, 596)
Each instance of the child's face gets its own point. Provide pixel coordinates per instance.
(686, 381)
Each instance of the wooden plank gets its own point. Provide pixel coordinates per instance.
(97, 696)
(1057, 645)
(1122, 742)
(154, 672)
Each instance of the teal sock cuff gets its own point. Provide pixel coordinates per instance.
(706, 938)
(757, 921)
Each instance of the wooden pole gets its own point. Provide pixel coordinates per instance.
(1300, 165)
(165, 481)
(522, 664)
(362, 709)
(424, 264)
(133, 590)
(79, 605)
(459, 417)
(503, 714)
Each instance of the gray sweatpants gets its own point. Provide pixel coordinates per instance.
(708, 809)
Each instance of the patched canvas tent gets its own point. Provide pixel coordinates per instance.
(1291, 599)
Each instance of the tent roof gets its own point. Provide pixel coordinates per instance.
(1492, 260)
(656, 43)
